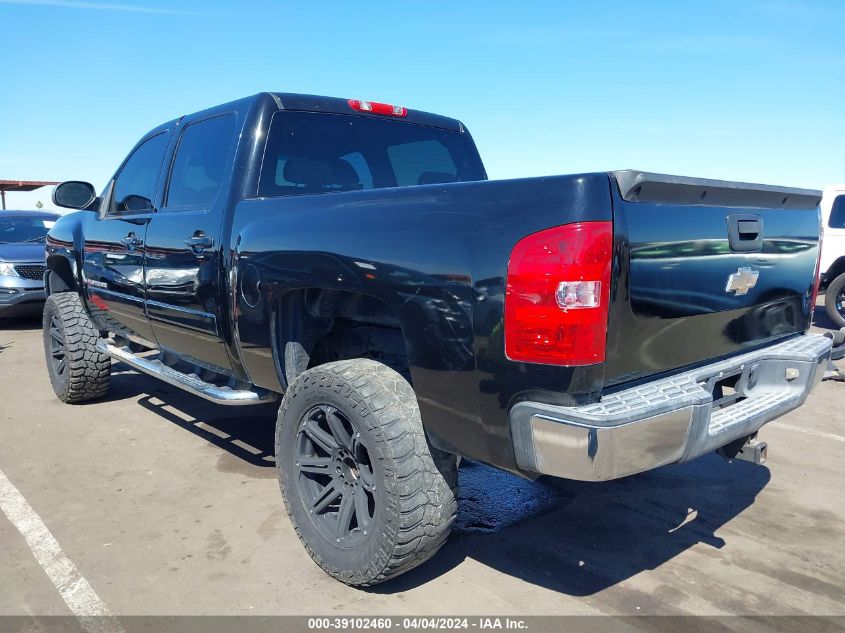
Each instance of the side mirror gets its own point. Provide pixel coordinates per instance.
(74, 194)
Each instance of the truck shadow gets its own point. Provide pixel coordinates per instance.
(585, 537)
(573, 537)
(20, 323)
(246, 434)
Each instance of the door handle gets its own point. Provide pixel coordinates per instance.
(131, 241)
(199, 242)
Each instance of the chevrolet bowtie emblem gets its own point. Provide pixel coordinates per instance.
(743, 280)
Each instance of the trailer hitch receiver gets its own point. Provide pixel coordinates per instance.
(748, 449)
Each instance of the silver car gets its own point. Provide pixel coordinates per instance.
(22, 266)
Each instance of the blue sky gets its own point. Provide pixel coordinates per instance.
(751, 90)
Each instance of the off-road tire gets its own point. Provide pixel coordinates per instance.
(834, 290)
(67, 330)
(415, 489)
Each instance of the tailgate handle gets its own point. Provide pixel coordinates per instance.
(748, 229)
(745, 233)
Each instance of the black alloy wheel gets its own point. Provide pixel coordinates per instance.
(335, 475)
(365, 490)
(79, 371)
(57, 354)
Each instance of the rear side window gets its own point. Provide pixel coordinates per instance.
(135, 185)
(310, 153)
(837, 213)
(200, 162)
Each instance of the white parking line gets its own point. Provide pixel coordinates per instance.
(806, 431)
(77, 593)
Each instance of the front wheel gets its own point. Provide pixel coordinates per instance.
(369, 497)
(78, 370)
(834, 300)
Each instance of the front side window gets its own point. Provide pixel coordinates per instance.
(316, 152)
(135, 185)
(200, 163)
(837, 213)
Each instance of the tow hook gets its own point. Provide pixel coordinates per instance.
(837, 353)
(748, 449)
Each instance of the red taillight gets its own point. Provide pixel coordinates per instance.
(377, 108)
(557, 295)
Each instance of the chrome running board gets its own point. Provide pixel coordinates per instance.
(189, 382)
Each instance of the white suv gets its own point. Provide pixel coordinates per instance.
(833, 252)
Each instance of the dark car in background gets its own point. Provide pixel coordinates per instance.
(22, 235)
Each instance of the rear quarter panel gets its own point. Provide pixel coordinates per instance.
(437, 256)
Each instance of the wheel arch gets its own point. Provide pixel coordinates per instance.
(60, 275)
(304, 318)
(836, 268)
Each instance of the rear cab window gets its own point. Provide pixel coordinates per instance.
(196, 175)
(315, 152)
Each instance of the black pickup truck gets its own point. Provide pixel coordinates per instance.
(350, 259)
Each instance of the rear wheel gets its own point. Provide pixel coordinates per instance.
(78, 370)
(369, 497)
(834, 300)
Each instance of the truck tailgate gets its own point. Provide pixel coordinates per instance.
(705, 269)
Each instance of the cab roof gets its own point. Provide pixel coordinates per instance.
(316, 103)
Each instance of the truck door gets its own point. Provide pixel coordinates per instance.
(183, 269)
(113, 255)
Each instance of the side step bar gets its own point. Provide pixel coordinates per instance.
(188, 382)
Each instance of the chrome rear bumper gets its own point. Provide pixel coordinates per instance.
(668, 420)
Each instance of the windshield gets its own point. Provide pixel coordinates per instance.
(24, 229)
(311, 152)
